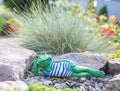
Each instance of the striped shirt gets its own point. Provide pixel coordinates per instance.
(59, 69)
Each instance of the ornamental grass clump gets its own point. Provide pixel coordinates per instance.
(56, 30)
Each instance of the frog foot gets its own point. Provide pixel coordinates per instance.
(98, 73)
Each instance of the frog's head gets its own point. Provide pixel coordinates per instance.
(44, 60)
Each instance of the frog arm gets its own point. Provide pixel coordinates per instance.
(35, 68)
(36, 73)
(72, 64)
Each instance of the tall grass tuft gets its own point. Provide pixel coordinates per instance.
(59, 31)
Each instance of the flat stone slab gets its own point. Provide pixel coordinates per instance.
(92, 60)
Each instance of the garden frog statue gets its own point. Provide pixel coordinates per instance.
(63, 68)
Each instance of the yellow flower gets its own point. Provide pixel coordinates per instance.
(113, 19)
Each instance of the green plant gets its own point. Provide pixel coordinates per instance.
(116, 55)
(59, 31)
(40, 87)
(5, 15)
(23, 5)
(2, 23)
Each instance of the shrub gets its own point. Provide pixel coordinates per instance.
(40, 87)
(2, 24)
(4, 16)
(116, 55)
(59, 31)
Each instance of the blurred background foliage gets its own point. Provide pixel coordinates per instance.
(18, 14)
(24, 5)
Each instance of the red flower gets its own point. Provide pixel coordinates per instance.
(108, 32)
(96, 16)
(112, 33)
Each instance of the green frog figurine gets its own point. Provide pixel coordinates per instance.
(63, 68)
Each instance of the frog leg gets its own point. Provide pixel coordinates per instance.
(87, 70)
(82, 74)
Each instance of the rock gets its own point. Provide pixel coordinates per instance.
(13, 84)
(114, 84)
(91, 88)
(14, 61)
(8, 72)
(59, 85)
(93, 60)
(47, 83)
(82, 79)
(100, 85)
(82, 88)
(113, 67)
(67, 83)
(73, 84)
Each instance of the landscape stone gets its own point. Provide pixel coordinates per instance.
(47, 83)
(8, 72)
(113, 66)
(93, 60)
(13, 84)
(113, 84)
(14, 60)
(82, 88)
(59, 85)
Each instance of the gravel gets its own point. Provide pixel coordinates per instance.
(85, 84)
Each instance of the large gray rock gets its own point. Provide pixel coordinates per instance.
(113, 66)
(8, 72)
(113, 84)
(14, 61)
(92, 60)
(12, 85)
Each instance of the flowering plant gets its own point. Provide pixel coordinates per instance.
(113, 19)
(108, 32)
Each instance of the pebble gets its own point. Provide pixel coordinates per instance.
(82, 88)
(73, 84)
(85, 84)
(47, 83)
(100, 85)
(82, 79)
(59, 85)
(91, 88)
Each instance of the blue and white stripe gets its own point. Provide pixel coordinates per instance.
(59, 69)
